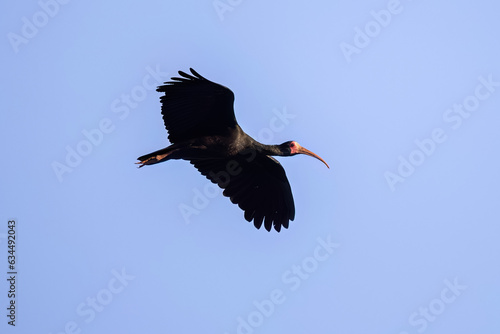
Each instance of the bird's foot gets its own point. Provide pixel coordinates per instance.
(148, 161)
(140, 163)
(151, 160)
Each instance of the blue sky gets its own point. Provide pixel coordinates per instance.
(401, 98)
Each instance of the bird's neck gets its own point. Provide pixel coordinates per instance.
(269, 149)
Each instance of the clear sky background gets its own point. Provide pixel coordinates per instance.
(400, 236)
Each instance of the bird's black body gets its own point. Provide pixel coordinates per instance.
(199, 117)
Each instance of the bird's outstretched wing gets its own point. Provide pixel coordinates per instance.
(257, 183)
(193, 107)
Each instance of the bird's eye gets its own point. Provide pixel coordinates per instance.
(292, 144)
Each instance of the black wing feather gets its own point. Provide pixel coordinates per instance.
(194, 107)
(260, 188)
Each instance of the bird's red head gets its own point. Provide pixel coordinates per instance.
(293, 148)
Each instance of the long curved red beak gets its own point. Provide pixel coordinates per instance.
(302, 150)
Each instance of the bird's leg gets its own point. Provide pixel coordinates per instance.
(153, 160)
(157, 156)
(185, 151)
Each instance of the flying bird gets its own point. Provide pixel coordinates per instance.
(199, 117)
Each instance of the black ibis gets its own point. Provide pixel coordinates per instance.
(199, 117)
